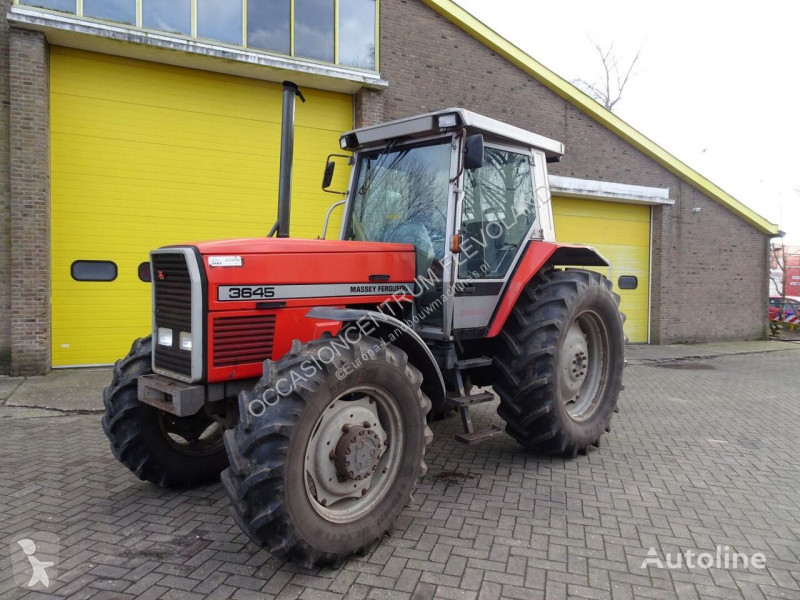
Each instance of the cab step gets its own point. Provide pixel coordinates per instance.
(464, 400)
(469, 400)
(473, 363)
(476, 437)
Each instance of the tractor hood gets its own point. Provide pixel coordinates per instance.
(296, 246)
(296, 272)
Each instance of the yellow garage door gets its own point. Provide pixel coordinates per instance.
(144, 155)
(621, 232)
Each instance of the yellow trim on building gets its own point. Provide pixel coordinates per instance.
(474, 27)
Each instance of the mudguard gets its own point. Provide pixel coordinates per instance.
(385, 327)
(539, 255)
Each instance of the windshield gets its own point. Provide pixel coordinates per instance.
(401, 196)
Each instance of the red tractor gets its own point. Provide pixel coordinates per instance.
(303, 371)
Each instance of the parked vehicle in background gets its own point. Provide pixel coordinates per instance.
(781, 308)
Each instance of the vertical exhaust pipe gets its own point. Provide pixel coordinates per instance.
(290, 91)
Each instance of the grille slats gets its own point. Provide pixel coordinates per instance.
(242, 340)
(173, 309)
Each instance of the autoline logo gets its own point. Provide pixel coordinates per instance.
(722, 559)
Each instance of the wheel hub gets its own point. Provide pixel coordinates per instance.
(575, 360)
(582, 364)
(358, 452)
(345, 450)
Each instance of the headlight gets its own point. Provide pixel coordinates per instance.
(448, 121)
(185, 339)
(164, 336)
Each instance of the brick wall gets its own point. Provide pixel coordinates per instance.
(5, 216)
(29, 172)
(709, 276)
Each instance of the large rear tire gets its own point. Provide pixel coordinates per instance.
(328, 449)
(158, 447)
(560, 362)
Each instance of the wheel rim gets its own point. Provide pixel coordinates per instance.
(196, 435)
(354, 454)
(583, 365)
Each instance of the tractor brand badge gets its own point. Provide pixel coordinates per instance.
(224, 261)
(161, 276)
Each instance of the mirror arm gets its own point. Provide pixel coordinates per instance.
(462, 134)
(327, 162)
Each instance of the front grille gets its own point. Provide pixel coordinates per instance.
(242, 340)
(173, 309)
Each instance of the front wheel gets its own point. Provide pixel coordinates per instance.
(158, 447)
(560, 362)
(328, 449)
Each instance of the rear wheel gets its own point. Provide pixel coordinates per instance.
(157, 446)
(328, 449)
(560, 362)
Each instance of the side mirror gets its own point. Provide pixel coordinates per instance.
(330, 168)
(327, 178)
(473, 152)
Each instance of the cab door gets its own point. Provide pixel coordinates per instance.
(496, 215)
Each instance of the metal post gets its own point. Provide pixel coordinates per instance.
(290, 90)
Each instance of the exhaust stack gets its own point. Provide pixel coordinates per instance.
(290, 91)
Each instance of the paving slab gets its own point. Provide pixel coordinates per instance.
(64, 390)
(21, 412)
(8, 385)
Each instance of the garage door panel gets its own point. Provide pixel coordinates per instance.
(145, 155)
(621, 233)
(615, 232)
(580, 207)
(154, 85)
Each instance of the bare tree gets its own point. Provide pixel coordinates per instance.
(614, 78)
(784, 261)
(777, 267)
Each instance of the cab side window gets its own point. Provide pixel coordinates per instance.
(498, 211)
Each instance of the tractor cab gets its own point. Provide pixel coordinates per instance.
(468, 192)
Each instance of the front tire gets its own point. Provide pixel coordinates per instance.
(560, 362)
(158, 447)
(328, 449)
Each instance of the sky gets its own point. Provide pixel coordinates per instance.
(717, 83)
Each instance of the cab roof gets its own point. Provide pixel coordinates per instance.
(441, 121)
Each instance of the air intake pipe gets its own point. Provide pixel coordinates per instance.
(281, 227)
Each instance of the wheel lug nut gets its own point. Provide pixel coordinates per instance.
(365, 424)
(346, 427)
(364, 492)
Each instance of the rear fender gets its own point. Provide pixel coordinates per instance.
(539, 256)
(392, 331)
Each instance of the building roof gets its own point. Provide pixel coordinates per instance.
(474, 27)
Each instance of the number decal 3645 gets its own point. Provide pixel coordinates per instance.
(245, 292)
